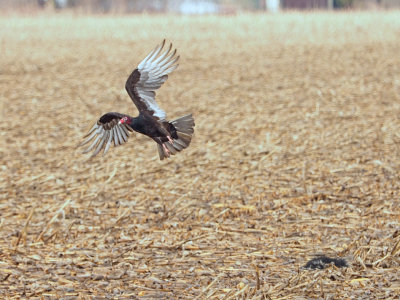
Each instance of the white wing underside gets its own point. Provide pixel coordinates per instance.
(154, 70)
(100, 138)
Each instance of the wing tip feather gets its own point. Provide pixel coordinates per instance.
(153, 70)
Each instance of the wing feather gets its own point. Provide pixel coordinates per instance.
(152, 54)
(116, 140)
(161, 57)
(123, 134)
(104, 132)
(87, 140)
(110, 138)
(92, 129)
(101, 143)
(120, 140)
(96, 140)
(125, 129)
(149, 76)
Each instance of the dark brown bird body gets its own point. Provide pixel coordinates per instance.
(144, 125)
(114, 128)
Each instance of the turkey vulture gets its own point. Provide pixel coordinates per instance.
(114, 128)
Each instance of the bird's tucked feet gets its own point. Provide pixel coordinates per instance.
(166, 151)
(184, 131)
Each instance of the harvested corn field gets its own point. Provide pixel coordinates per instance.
(296, 153)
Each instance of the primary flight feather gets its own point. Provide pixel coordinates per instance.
(114, 128)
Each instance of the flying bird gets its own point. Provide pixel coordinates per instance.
(115, 128)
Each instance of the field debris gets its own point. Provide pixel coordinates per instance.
(321, 262)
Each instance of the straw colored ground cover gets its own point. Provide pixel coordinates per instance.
(296, 152)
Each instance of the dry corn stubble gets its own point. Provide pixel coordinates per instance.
(296, 152)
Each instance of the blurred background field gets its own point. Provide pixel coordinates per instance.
(295, 153)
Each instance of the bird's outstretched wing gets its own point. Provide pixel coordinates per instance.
(150, 74)
(104, 132)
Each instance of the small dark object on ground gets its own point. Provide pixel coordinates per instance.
(321, 262)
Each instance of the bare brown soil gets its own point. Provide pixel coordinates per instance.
(296, 153)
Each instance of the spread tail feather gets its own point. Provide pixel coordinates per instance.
(184, 129)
